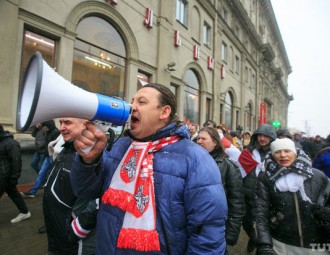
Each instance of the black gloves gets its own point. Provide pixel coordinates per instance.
(84, 223)
(87, 218)
(265, 250)
(322, 214)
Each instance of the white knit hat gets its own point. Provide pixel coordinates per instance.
(283, 144)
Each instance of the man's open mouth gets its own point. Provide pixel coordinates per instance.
(134, 119)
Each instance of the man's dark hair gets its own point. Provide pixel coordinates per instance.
(1, 128)
(166, 98)
(284, 132)
(210, 122)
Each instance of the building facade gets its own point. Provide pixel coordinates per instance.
(224, 59)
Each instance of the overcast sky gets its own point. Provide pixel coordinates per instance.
(305, 29)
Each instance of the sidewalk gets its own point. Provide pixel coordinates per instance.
(22, 238)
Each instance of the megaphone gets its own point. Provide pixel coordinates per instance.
(46, 95)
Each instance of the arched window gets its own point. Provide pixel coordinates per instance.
(99, 57)
(248, 117)
(191, 97)
(228, 108)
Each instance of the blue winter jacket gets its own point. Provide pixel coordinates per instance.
(322, 161)
(190, 199)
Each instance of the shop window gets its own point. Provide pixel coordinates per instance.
(142, 79)
(99, 59)
(34, 42)
(228, 107)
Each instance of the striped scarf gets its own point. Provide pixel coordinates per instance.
(132, 190)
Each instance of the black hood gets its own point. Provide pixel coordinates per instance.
(50, 124)
(265, 129)
(5, 134)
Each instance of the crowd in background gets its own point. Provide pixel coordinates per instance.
(311, 144)
(276, 185)
(285, 182)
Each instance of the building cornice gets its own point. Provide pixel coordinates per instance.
(241, 15)
(208, 7)
(271, 19)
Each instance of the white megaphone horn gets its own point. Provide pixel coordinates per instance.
(46, 95)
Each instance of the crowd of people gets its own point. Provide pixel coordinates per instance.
(168, 188)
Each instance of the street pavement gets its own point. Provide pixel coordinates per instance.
(23, 238)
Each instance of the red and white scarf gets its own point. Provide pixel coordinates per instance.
(132, 190)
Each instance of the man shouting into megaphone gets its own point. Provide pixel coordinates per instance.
(160, 193)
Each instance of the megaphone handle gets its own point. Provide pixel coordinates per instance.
(111, 139)
(100, 126)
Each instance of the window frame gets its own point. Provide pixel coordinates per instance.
(182, 12)
(207, 34)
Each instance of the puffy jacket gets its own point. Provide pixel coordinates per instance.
(322, 161)
(233, 184)
(190, 200)
(10, 156)
(276, 212)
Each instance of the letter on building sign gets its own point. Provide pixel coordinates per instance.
(113, 2)
(196, 52)
(222, 71)
(210, 63)
(177, 39)
(149, 17)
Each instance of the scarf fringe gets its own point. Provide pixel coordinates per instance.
(136, 196)
(122, 199)
(138, 239)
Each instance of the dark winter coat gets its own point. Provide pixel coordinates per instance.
(233, 184)
(250, 180)
(10, 157)
(190, 200)
(40, 135)
(276, 212)
(58, 203)
(52, 133)
(317, 146)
